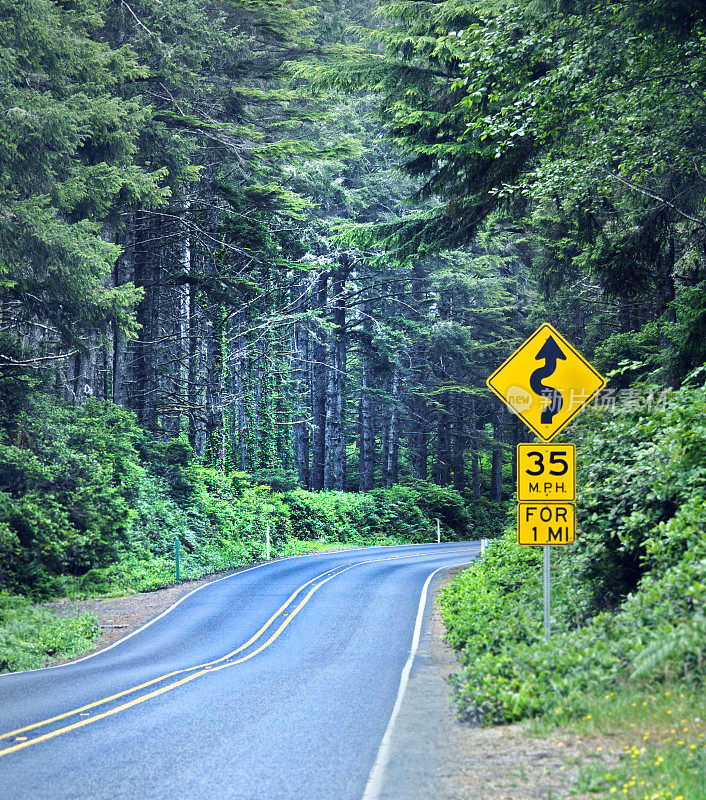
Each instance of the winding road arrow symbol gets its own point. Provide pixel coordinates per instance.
(550, 352)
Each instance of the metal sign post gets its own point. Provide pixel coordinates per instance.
(547, 589)
(546, 473)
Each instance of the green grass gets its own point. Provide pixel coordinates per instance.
(658, 738)
(133, 574)
(295, 547)
(32, 636)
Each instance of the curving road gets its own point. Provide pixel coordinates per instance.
(275, 683)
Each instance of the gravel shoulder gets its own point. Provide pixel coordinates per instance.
(435, 755)
(119, 616)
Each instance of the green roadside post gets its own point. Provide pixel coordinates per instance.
(176, 557)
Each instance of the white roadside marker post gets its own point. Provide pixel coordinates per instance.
(438, 532)
(267, 542)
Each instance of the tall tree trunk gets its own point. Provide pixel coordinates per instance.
(211, 367)
(147, 276)
(419, 422)
(390, 466)
(197, 373)
(666, 293)
(334, 466)
(475, 448)
(442, 468)
(419, 438)
(318, 390)
(123, 272)
(241, 443)
(383, 414)
(172, 362)
(106, 367)
(496, 473)
(257, 413)
(215, 420)
(300, 428)
(84, 371)
(459, 441)
(366, 470)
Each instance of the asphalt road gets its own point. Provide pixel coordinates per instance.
(274, 683)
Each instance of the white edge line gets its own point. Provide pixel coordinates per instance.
(377, 773)
(205, 585)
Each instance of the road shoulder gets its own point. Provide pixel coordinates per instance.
(435, 755)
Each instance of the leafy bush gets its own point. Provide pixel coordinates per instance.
(30, 636)
(628, 598)
(89, 503)
(486, 518)
(279, 480)
(405, 513)
(66, 483)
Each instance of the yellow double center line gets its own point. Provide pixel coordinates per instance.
(196, 671)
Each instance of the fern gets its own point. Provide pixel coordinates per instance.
(686, 639)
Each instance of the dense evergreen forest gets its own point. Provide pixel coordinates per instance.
(257, 259)
(264, 243)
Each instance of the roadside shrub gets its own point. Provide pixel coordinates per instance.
(31, 635)
(637, 473)
(279, 480)
(493, 602)
(89, 503)
(66, 483)
(628, 598)
(486, 519)
(174, 462)
(441, 502)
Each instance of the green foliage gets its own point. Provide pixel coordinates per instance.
(66, 145)
(580, 125)
(67, 478)
(402, 513)
(278, 479)
(89, 504)
(224, 528)
(173, 461)
(486, 518)
(483, 599)
(30, 636)
(641, 486)
(628, 597)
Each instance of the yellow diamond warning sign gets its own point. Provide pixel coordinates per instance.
(546, 382)
(546, 524)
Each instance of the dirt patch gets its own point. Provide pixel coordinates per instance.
(119, 616)
(506, 762)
